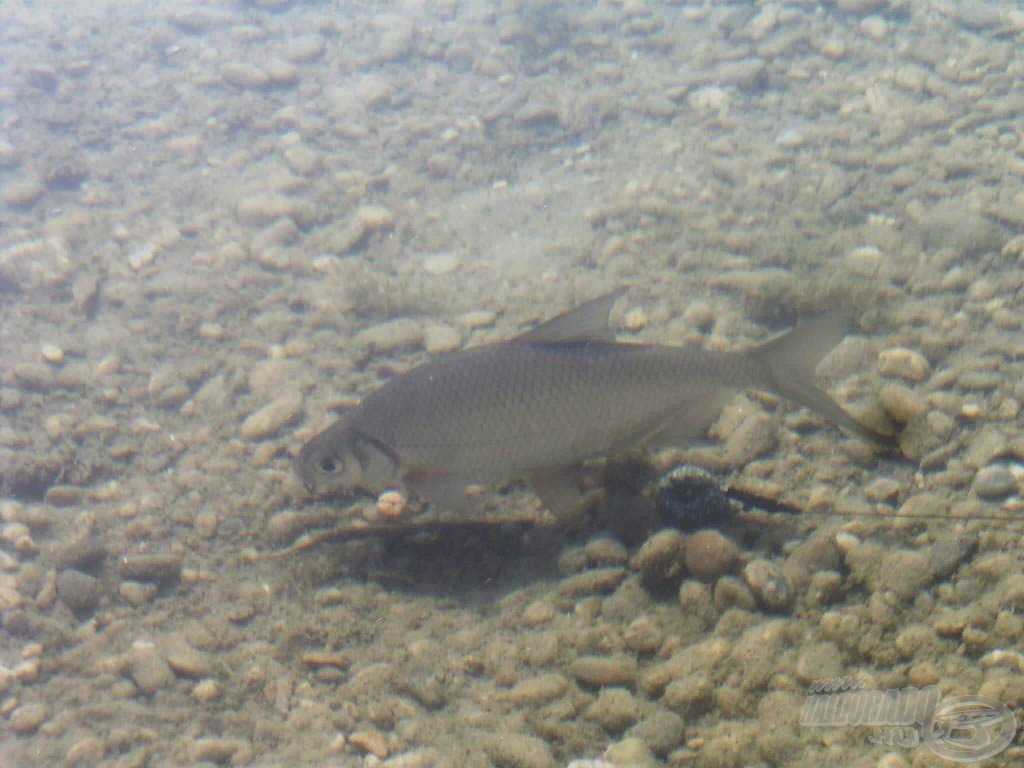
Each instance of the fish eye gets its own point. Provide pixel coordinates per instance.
(330, 465)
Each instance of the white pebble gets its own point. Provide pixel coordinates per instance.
(51, 353)
(440, 264)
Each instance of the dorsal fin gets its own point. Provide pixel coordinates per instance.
(587, 322)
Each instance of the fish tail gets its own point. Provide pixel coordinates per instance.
(789, 361)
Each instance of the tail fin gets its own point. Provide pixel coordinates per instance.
(790, 360)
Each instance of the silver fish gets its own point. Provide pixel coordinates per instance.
(537, 406)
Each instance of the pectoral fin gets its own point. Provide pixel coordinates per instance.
(559, 491)
(445, 490)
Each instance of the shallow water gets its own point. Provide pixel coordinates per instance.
(221, 223)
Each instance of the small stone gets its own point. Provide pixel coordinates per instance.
(517, 750)
(642, 636)
(817, 661)
(137, 593)
(244, 75)
(710, 555)
(156, 568)
(996, 481)
(882, 490)
(755, 437)
(903, 363)
(51, 353)
(593, 582)
(535, 691)
(630, 753)
(905, 572)
(23, 194)
(400, 333)
(438, 264)
(28, 717)
(376, 217)
(730, 592)
(635, 319)
(440, 338)
(901, 403)
(769, 583)
(85, 752)
(78, 591)
(661, 559)
(206, 691)
(391, 505)
(481, 318)
(301, 159)
(271, 418)
(149, 669)
(662, 731)
(222, 751)
(615, 709)
(864, 260)
(538, 612)
(371, 741)
(602, 671)
(63, 495)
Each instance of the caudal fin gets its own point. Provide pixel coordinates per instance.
(789, 363)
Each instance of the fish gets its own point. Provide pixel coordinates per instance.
(535, 407)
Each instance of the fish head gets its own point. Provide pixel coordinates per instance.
(342, 459)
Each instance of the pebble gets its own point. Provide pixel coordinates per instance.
(87, 751)
(615, 709)
(769, 583)
(710, 98)
(303, 160)
(51, 353)
(874, 27)
(630, 753)
(28, 717)
(643, 636)
(635, 320)
(481, 318)
(535, 691)
(206, 691)
(730, 592)
(244, 75)
(439, 338)
(371, 741)
(995, 481)
(438, 264)
(817, 661)
(901, 403)
(391, 505)
(662, 731)
(137, 593)
(78, 591)
(517, 750)
(149, 669)
(400, 333)
(376, 217)
(903, 363)
(272, 417)
(593, 582)
(155, 568)
(755, 437)
(661, 559)
(221, 751)
(710, 555)
(602, 671)
(23, 194)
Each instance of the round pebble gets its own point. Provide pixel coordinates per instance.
(391, 505)
(994, 482)
(710, 555)
(661, 559)
(769, 583)
(78, 591)
(440, 264)
(51, 353)
(28, 717)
